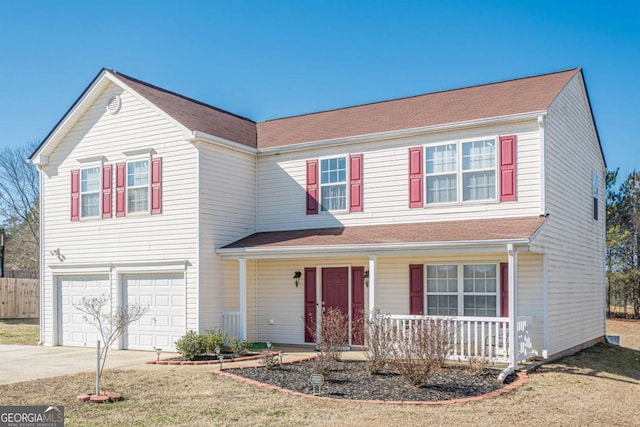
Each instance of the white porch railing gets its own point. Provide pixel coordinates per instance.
(231, 324)
(471, 337)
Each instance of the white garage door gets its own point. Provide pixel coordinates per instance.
(73, 330)
(164, 323)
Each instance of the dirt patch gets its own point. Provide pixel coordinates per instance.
(351, 380)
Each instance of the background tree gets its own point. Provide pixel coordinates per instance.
(19, 207)
(623, 244)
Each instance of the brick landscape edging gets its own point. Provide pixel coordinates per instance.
(174, 361)
(522, 379)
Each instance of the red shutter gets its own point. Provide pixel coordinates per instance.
(75, 195)
(355, 183)
(107, 181)
(309, 305)
(508, 168)
(156, 186)
(504, 289)
(415, 177)
(416, 289)
(357, 305)
(121, 181)
(312, 187)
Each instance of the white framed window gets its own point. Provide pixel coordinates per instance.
(479, 170)
(333, 184)
(442, 173)
(594, 186)
(462, 290)
(480, 289)
(461, 171)
(138, 186)
(442, 290)
(90, 192)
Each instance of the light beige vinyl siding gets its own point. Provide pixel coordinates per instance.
(271, 293)
(282, 183)
(227, 213)
(134, 238)
(573, 241)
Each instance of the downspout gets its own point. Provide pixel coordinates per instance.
(513, 316)
(543, 166)
(41, 247)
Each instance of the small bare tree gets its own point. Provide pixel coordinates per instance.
(110, 325)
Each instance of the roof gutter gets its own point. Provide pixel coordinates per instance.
(196, 135)
(371, 248)
(379, 136)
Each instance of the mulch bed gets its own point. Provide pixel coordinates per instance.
(351, 380)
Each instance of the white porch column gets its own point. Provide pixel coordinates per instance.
(372, 285)
(242, 327)
(513, 307)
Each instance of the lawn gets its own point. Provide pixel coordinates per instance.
(19, 331)
(598, 386)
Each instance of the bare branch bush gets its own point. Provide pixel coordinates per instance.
(421, 349)
(331, 340)
(380, 342)
(110, 324)
(477, 365)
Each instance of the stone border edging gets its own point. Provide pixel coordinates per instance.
(522, 379)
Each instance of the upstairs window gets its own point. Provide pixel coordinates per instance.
(463, 171)
(90, 192)
(442, 173)
(138, 186)
(479, 170)
(595, 195)
(333, 184)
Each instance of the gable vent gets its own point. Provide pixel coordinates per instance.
(113, 104)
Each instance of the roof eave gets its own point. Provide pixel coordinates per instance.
(40, 154)
(488, 121)
(310, 251)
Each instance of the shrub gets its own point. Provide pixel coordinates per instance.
(213, 339)
(380, 343)
(334, 334)
(269, 359)
(477, 365)
(420, 349)
(191, 345)
(240, 347)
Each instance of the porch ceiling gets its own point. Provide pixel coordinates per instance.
(389, 237)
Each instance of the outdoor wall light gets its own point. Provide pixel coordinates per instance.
(366, 278)
(296, 277)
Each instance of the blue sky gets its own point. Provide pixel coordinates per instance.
(269, 59)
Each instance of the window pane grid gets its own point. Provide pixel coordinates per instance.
(90, 192)
(333, 184)
(478, 295)
(138, 186)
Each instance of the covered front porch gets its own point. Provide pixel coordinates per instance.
(490, 292)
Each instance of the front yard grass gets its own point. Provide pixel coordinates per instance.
(19, 331)
(598, 386)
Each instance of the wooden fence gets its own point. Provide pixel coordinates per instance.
(19, 298)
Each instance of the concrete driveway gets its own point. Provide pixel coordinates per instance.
(24, 362)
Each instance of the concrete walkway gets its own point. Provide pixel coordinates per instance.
(20, 363)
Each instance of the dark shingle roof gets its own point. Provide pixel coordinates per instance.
(427, 232)
(472, 103)
(196, 115)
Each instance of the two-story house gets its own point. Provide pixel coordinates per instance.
(482, 204)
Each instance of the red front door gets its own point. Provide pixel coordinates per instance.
(335, 289)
